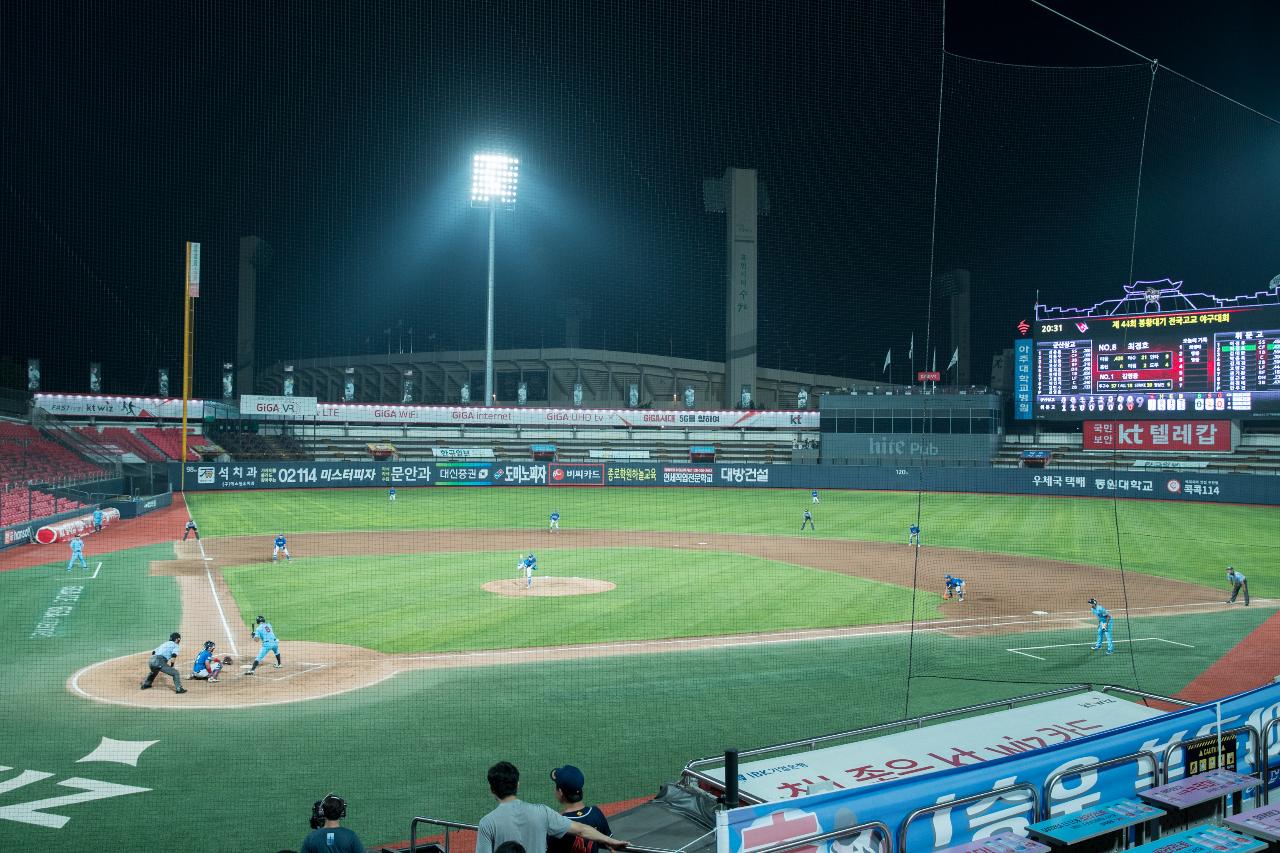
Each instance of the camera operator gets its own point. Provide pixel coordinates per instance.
(327, 835)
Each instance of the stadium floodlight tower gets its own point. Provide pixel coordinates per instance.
(493, 185)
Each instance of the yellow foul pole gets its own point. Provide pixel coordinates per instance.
(190, 290)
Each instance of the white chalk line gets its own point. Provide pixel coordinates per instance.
(74, 684)
(1022, 650)
(226, 626)
(96, 570)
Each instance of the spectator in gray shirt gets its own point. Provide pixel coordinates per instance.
(526, 823)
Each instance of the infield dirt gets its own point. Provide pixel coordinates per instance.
(1002, 592)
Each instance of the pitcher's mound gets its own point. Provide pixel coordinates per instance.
(548, 586)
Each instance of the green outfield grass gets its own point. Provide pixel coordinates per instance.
(434, 602)
(420, 742)
(1183, 541)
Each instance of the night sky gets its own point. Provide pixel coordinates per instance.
(341, 133)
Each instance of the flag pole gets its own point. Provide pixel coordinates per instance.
(188, 306)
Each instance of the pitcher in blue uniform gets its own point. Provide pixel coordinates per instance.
(265, 634)
(1104, 625)
(528, 565)
(77, 553)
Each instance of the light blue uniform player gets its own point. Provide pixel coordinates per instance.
(281, 548)
(555, 522)
(97, 520)
(77, 553)
(264, 634)
(1104, 625)
(528, 565)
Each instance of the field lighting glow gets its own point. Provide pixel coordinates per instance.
(493, 179)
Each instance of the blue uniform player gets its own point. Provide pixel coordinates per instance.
(528, 565)
(265, 634)
(913, 535)
(955, 586)
(97, 520)
(281, 548)
(555, 522)
(207, 665)
(1104, 625)
(77, 553)
(815, 495)
(391, 494)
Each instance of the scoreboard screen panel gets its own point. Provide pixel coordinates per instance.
(1221, 361)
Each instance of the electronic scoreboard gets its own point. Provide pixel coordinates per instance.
(1158, 353)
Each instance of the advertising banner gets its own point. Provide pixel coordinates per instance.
(1159, 436)
(575, 474)
(280, 407)
(935, 748)
(64, 530)
(1022, 379)
(92, 405)
(1143, 484)
(462, 452)
(85, 405)
(1028, 757)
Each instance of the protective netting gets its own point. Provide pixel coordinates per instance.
(915, 205)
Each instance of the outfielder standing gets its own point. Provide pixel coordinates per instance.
(1104, 625)
(815, 495)
(162, 660)
(808, 519)
(264, 634)
(391, 494)
(555, 522)
(1238, 582)
(77, 553)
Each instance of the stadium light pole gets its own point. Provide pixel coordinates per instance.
(493, 185)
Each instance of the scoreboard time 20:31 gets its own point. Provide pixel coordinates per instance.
(1215, 363)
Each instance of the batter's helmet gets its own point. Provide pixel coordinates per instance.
(261, 619)
(175, 637)
(1093, 601)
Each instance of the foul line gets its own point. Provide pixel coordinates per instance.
(96, 570)
(225, 626)
(1022, 650)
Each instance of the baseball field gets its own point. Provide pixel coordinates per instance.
(660, 626)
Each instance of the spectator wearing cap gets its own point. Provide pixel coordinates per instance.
(528, 824)
(569, 783)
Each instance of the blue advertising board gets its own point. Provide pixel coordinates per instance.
(1022, 391)
(1140, 483)
(892, 801)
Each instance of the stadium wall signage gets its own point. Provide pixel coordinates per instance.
(1037, 753)
(1136, 483)
(307, 409)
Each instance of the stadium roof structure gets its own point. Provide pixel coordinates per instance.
(550, 376)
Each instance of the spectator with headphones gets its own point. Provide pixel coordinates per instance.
(328, 835)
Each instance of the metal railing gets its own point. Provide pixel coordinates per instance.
(1266, 758)
(997, 794)
(690, 769)
(880, 829)
(1054, 778)
(449, 825)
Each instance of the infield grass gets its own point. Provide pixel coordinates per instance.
(1183, 541)
(434, 602)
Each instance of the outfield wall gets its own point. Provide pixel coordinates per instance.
(1124, 483)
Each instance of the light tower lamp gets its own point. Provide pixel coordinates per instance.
(493, 185)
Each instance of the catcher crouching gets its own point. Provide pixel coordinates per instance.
(207, 664)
